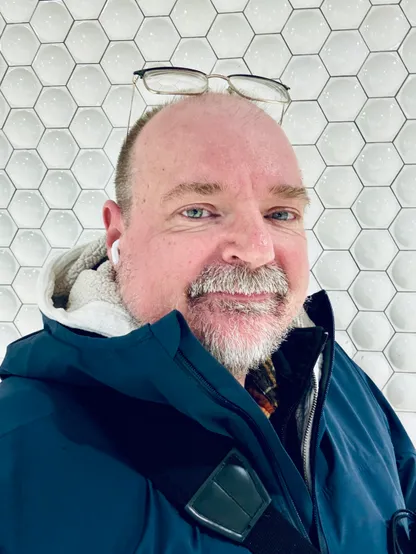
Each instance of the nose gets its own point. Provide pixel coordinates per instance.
(249, 242)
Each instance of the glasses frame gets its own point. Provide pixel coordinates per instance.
(140, 74)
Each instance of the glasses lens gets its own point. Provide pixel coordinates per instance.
(260, 89)
(175, 81)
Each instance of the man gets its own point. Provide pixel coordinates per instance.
(189, 327)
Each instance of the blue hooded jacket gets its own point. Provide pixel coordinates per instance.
(71, 432)
(86, 400)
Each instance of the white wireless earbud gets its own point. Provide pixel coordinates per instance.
(115, 254)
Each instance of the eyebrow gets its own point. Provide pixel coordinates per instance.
(208, 189)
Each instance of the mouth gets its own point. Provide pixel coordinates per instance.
(258, 297)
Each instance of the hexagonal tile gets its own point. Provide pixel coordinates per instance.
(335, 270)
(58, 148)
(340, 143)
(380, 119)
(407, 97)
(51, 21)
(401, 352)
(374, 249)
(55, 107)
(195, 53)
(157, 38)
(5, 149)
(88, 235)
(230, 34)
(15, 12)
(306, 76)
(343, 339)
(151, 8)
(401, 390)
(28, 209)
(9, 303)
(193, 18)
(304, 122)
(405, 142)
(337, 229)
(118, 102)
(382, 74)
(19, 44)
(372, 290)
(3, 66)
(90, 127)
(376, 207)
(404, 229)
(61, 228)
(88, 208)
(92, 169)
(338, 187)
(311, 164)
(404, 186)
(30, 247)
(60, 189)
(23, 128)
(86, 41)
(26, 169)
(121, 19)
(408, 420)
(313, 286)
(113, 145)
(110, 188)
(384, 28)
(402, 312)
(343, 307)
(29, 320)
(342, 14)
(306, 31)
(8, 266)
(313, 211)
(375, 366)
(85, 10)
(4, 110)
(306, 3)
(314, 247)
(267, 56)
(25, 284)
(230, 67)
(21, 87)
(344, 52)
(370, 331)
(378, 164)
(8, 228)
(342, 99)
(88, 85)
(120, 60)
(53, 64)
(408, 51)
(403, 271)
(267, 16)
(409, 8)
(6, 190)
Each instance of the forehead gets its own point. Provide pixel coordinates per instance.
(221, 140)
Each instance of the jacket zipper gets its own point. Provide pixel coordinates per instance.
(321, 537)
(230, 405)
(308, 435)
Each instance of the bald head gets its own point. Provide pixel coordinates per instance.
(214, 131)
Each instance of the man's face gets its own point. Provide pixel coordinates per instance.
(216, 229)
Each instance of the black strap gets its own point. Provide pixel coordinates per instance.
(226, 497)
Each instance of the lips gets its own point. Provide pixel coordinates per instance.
(240, 296)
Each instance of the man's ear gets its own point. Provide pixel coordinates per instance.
(114, 225)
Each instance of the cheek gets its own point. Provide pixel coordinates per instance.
(293, 257)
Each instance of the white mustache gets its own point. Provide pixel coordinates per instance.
(240, 280)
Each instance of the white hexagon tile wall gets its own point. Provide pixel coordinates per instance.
(65, 80)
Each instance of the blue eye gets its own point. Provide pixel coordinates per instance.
(194, 213)
(283, 216)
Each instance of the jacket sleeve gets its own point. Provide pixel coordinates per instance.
(404, 449)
